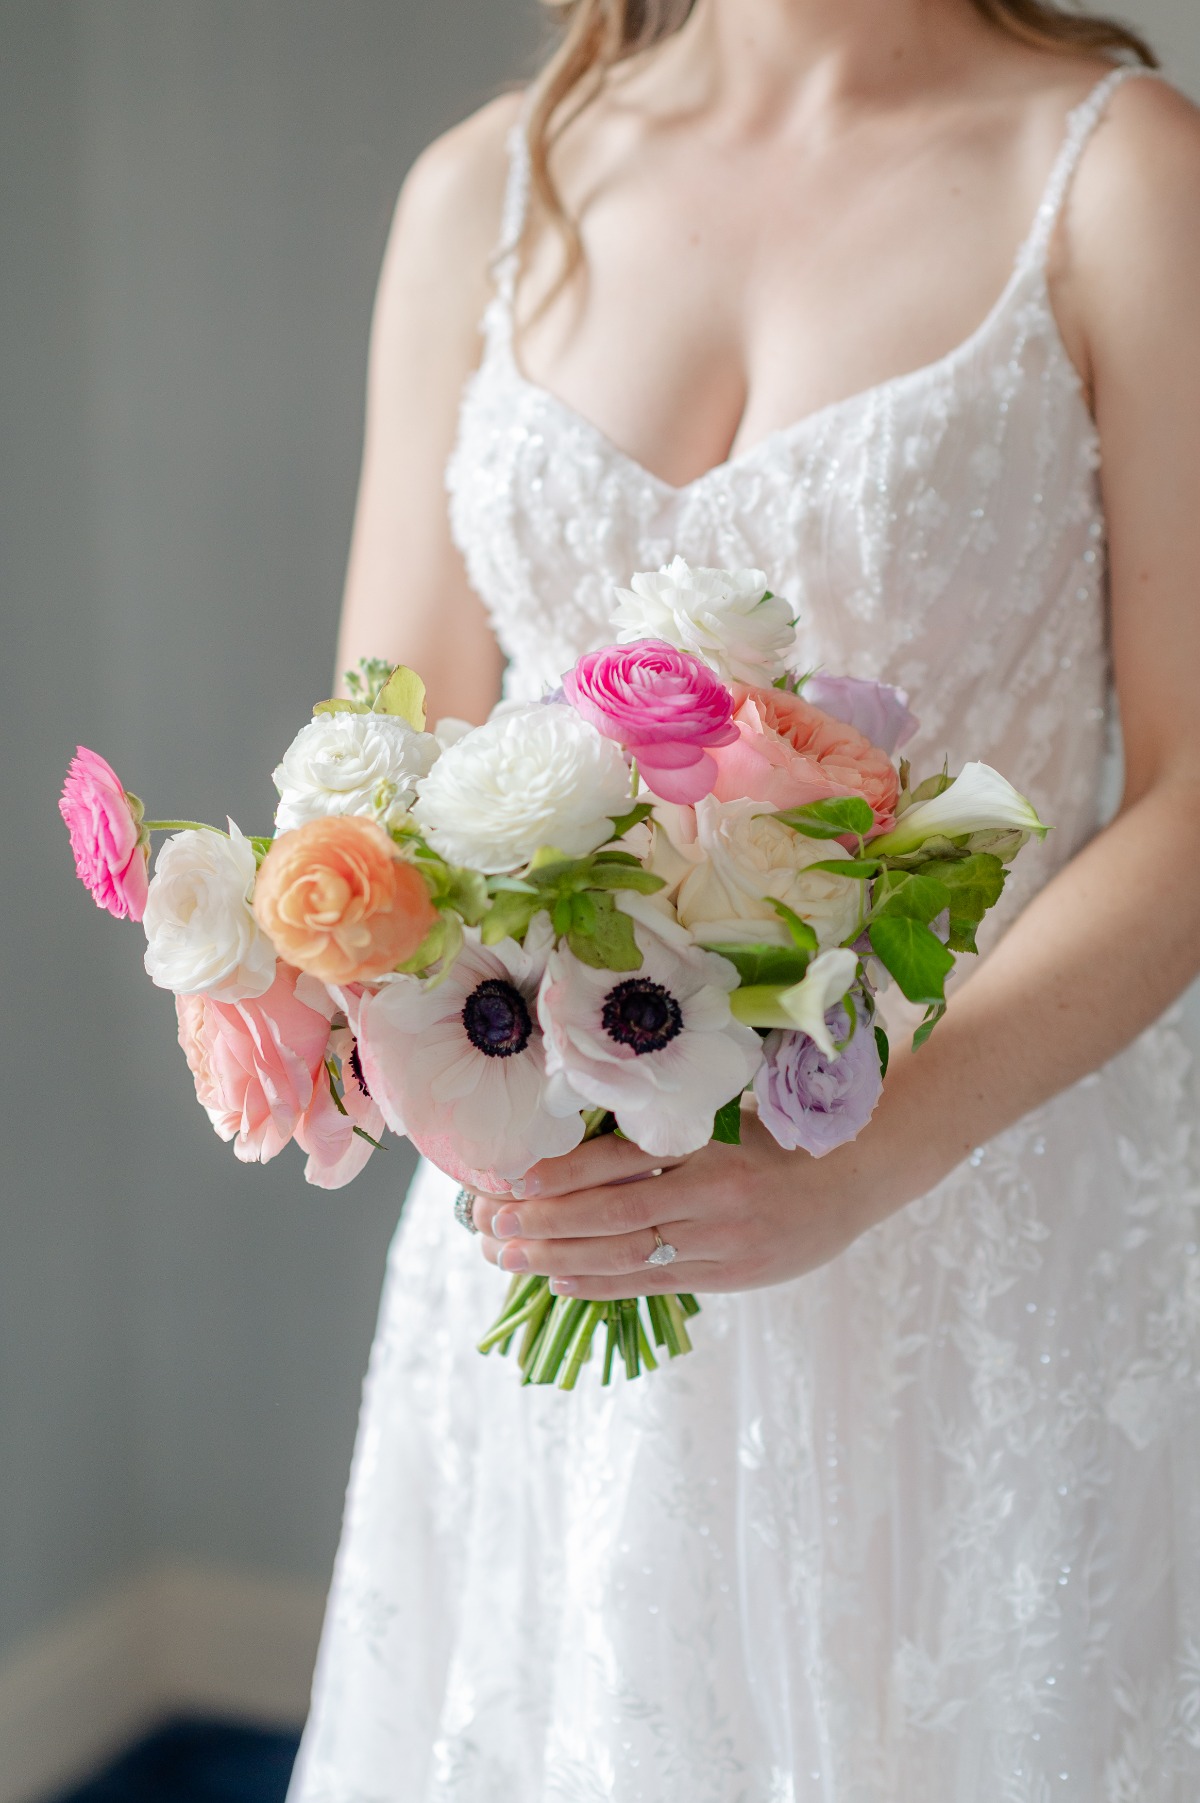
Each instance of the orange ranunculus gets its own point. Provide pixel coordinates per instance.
(788, 753)
(337, 900)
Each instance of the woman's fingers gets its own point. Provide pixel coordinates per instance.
(619, 1264)
(618, 1208)
(561, 1183)
(596, 1161)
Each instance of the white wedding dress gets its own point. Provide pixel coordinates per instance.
(923, 1527)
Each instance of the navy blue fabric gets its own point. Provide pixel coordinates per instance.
(198, 1762)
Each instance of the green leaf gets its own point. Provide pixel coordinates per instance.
(624, 876)
(760, 965)
(562, 916)
(336, 705)
(933, 785)
(621, 823)
(961, 937)
(859, 867)
(429, 950)
(803, 937)
(509, 916)
(932, 1016)
(914, 956)
(583, 914)
(881, 1041)
(549, 867)
(727, 1123)
(514, 885)
(403, 697)
(363, 1134)
(610, 944)
(975, 883)
(915, 895)
(466, 892)
(830, 819)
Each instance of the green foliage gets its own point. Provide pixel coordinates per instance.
(830, 819)
(606, 941)
(803, 937)
(933, 1015)
(884, 1049)
(909, 895)
(403, 697)
(364, 683)
(727, 1123)
(866, 868)
(622, 823)
(763, 965)
(913, 955)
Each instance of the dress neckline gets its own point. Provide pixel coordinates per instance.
(1029, 262)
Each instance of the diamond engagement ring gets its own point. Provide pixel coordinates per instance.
(663, 1253)
(464, 1202)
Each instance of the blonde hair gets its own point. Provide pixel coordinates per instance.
(597, 34)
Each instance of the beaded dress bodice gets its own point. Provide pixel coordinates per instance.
(941, 530)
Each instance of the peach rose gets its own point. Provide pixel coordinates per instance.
(336, 898)
(257, 1064)
(788, 753)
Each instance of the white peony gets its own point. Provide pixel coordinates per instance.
(351, 764)
(659, 1045)
(536, 775)
(722, 617)
(750, 859)
(201, 934)
(978, 800)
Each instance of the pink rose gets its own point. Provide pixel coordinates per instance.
(789, 753)
(256, 1064)
(663, 705)
(875, 709)
(105, 824)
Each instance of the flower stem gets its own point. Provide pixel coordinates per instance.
(181, 826)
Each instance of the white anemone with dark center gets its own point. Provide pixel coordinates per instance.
(460, 1065)
(658, 1046)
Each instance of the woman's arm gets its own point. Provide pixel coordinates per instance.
(1114, 938)
(407, 596)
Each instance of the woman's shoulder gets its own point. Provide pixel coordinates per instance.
(456, 186)
(1135, 205)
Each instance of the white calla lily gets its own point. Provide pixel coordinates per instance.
(978, 800)
(822, 986)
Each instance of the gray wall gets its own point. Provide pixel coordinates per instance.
(194, 196)
(193, 200)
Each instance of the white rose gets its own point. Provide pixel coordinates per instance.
(201, 935)
(722, 617)
(750, 859)
(535, 775)
(351, 764)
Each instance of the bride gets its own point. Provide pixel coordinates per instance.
(897, 301)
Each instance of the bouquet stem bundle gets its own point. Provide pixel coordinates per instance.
(557, 1332)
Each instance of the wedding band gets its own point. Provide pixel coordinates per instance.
(664, 1253)
(464, 1202)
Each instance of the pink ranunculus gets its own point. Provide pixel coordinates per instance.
(877, 710)
(663, 705)
(788, 753)
(256, 1064)
(336, 1153)
(105, 824)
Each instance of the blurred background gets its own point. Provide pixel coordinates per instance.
(194, 197)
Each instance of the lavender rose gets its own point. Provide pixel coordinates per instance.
(814, 1103)
(878, 711)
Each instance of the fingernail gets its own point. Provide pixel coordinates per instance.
(512, 1259)
(527, 1185)
(518, 1189)
(564, 1286)
(506, 1224)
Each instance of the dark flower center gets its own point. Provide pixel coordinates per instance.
(497, 1019)
(642, 1015)
(355, 1063)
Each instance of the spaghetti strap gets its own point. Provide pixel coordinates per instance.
(1081, 123)
(506, 259)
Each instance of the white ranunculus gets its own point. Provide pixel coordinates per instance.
(201, 934)
(978, 800)
(533, 776)
(351, 764)
(722, 617)
(751, 859)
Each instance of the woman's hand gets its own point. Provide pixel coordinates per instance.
(738, 1216)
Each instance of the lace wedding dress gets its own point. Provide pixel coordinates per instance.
(923, 1527)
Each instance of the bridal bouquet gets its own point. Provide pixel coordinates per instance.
(672, 887)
